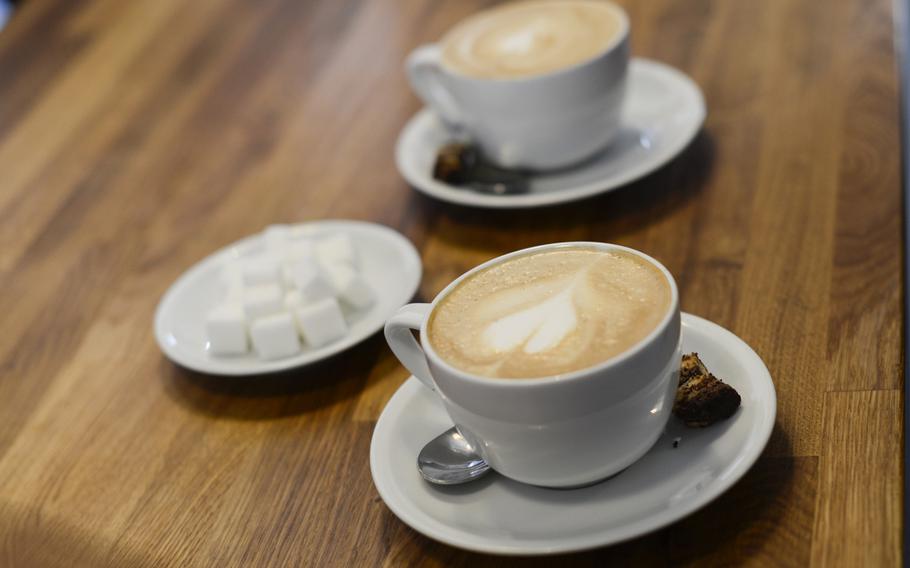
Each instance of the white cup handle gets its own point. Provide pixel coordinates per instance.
(426, 76)
(399, 335)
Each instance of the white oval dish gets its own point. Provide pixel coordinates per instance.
(389, 262)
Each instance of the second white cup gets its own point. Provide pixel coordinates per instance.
(539, 122)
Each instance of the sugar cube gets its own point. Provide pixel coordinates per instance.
(225, 330)
(296, 251)
(321, 323)
(293, 299)
(338, 248)
(309, 278)
(299, 250)
(287, 276)
(262, 270)
(276, 237)
(232, 282)
(262, 300)
(275, 336)
(234, 294)
(349, 285)
(230, 272)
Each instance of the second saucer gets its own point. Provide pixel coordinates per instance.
(664, 110)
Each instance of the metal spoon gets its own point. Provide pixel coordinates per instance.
(448, 459)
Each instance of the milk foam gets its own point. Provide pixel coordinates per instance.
(530, 38)
(536, 328)
(549, 313)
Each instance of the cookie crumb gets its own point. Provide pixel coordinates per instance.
(702, 399)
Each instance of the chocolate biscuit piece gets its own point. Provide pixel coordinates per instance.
(702, 399)
(452, 164)
(691, 367)
(463, 165)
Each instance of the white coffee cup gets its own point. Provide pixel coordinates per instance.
(539, 122)
(560, 431)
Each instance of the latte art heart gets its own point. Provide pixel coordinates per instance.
(536, 328)
(549, 313)
(525, 39)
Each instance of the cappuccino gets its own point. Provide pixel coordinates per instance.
(531, 38)
(549, 313)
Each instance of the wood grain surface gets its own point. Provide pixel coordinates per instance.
(136, 137)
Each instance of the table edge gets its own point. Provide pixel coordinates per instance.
(902, 53)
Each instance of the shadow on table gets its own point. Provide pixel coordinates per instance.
(609, 217)
(34, 536)
(743, 523)
(275, 395)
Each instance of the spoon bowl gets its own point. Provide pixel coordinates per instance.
(448, 459)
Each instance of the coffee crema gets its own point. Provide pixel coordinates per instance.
(530, 38)
(549, 313)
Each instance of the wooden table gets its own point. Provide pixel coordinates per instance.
(136, 137)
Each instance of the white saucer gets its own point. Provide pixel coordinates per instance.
(664, 109)
(388, 261)
(500, 516)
